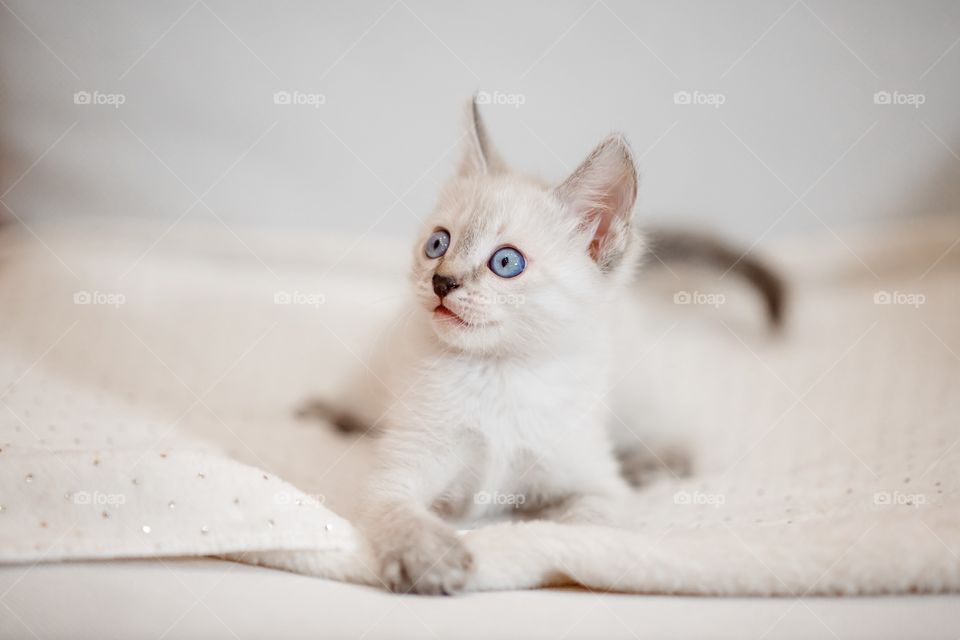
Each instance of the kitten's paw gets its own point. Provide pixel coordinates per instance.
(435, 562)
(640, 466)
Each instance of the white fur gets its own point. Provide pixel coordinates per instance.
(500, 412)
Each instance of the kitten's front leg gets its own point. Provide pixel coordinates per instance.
(416, 551)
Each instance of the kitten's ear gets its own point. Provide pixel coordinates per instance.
(601, 194)
(479, 157)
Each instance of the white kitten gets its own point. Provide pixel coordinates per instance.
(487, 399)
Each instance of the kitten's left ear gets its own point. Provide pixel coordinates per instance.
(479, 156)
(601, 194)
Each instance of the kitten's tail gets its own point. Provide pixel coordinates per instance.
(686, 246)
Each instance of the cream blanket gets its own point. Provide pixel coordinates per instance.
(147, 391)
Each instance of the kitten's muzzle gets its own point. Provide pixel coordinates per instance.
(442, 285)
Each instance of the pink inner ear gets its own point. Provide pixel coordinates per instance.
(601, 193)
(617, 200)
(600, 233)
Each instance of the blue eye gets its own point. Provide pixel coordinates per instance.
(437, 244)
(507, 262)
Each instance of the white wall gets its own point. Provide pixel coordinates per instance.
(198, 78)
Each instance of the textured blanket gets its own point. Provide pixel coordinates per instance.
(148, 390)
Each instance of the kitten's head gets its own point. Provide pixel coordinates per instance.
(505, 262)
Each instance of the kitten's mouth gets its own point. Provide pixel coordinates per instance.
(444, 313)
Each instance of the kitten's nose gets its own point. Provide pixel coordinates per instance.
(442, 285)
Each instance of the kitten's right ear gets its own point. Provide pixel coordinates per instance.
(479, 157)
(600, 195)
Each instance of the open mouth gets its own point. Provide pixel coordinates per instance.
(444, 313)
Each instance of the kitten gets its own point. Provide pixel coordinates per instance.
(486, 399)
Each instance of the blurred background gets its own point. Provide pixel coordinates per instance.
(757, 118)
